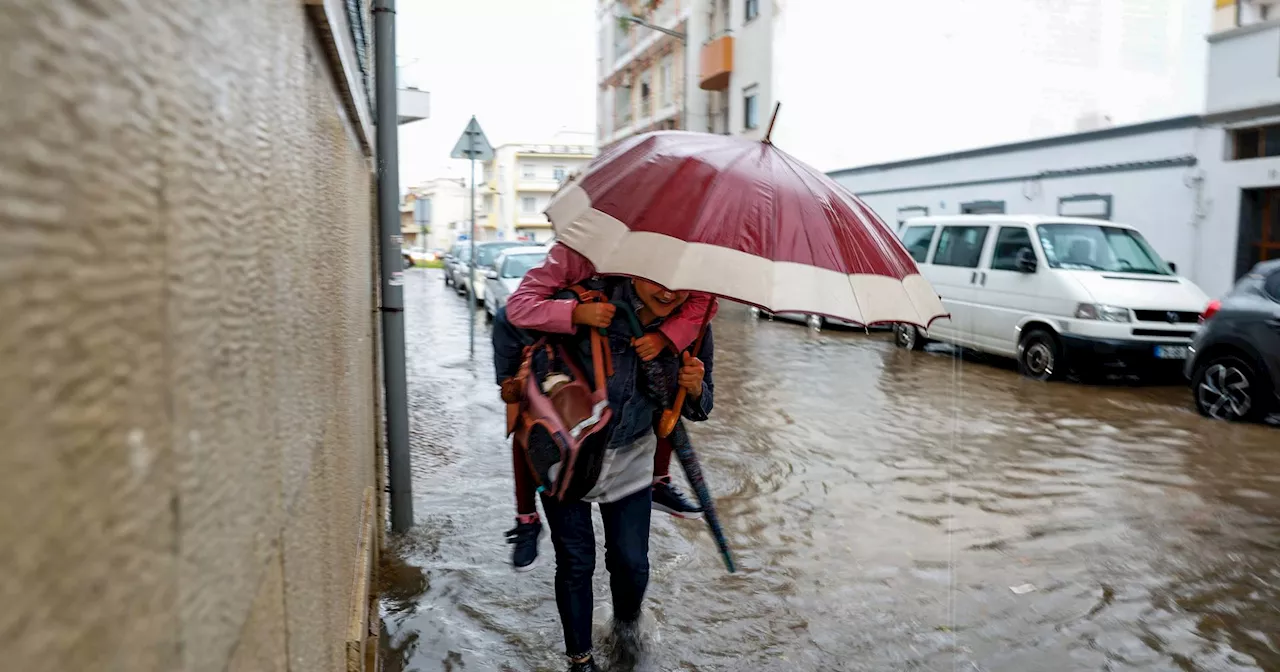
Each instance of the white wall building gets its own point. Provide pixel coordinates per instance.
(519, 181)
(1204, 189)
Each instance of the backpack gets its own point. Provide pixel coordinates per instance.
(560, 416)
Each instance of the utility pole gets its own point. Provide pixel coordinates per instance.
(392, 309)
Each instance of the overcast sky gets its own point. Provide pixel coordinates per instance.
(525, 68)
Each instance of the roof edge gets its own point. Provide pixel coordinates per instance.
(1170, 124)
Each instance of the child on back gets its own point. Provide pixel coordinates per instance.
(531, 307)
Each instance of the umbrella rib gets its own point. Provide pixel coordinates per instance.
(852, 291)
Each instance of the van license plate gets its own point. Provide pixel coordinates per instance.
(1171, 352)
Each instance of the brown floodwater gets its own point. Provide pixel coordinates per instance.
(883, 505)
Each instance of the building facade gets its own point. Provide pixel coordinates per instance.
(1204, 188)
(435, 213)
(867, 82)
(641, 70)
(518, 184)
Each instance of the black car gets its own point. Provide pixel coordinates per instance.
(1235, 362)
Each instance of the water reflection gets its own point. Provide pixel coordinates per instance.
(882, 504)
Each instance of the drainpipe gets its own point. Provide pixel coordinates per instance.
(393, 366)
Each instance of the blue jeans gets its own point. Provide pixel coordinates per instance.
(626, 545)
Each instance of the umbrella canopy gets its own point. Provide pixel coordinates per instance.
(744, 220)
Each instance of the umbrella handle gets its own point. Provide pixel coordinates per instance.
(671, 415)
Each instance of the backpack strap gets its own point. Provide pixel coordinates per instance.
(601, 357)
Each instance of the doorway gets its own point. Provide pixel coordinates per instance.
(1259, 228)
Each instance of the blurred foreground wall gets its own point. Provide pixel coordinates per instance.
(187, 338)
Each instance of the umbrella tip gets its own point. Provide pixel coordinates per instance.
(772, 120)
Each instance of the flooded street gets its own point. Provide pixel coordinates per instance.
(882, 504)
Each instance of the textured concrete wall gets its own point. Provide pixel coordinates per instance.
(187, 410)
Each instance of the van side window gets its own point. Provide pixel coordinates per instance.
(917, 240)
(1010, 241)
(960, 246)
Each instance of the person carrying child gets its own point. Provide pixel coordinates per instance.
(624, 484)
(532, 308)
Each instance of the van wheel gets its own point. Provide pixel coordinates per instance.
(1040, 356)
(908, 337)
(1226, 388)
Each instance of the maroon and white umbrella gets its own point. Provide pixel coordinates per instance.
(744, 220)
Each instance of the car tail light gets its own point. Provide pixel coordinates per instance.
(1211, 310)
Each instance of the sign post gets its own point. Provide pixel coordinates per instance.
(472, 145)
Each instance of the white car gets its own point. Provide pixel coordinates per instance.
(507, 272)
(485, 254)
(1055, 293)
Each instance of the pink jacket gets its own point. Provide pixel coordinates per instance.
(531, 305)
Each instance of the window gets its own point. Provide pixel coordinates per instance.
(917, 240)
(1255, 143)
(960, 246)
(558, 173)
(1094, 206)
(646, 95)
(750, 108)
(1009, 242)
(982, 208)
(1086, 247)
(528, 171)
(665, 79)
(750, 10)
(528, 205)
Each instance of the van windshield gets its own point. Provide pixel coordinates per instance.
(1097, 247)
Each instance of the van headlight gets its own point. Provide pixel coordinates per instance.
(1103, 312)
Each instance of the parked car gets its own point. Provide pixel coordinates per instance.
(456, 257)
(419, 255)
(507, 272)
(406, 257)
(1055, 293)
(1235, 364)
(483, 258)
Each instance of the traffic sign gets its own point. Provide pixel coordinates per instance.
(473, 144)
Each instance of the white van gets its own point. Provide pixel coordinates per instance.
(1056, 293)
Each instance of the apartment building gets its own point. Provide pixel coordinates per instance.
(642, 66)
(518, 184)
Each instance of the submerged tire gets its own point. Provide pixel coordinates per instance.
(908, 337)
(1040, 356)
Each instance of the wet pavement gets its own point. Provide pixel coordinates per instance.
(884, 506)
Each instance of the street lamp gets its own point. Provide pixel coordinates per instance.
(684, 39)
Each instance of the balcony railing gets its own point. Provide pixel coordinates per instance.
(584, 150)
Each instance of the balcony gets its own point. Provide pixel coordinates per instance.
(538, 184)
(1242, 68)
(556, 150)
(412, 103)
(716, 64)
(528, 221)
(645, 43)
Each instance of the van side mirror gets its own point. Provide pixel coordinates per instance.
(1173, 268)
(1026, 260)
(491, 274)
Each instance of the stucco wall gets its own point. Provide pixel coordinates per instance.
(186, 339)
